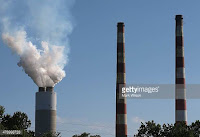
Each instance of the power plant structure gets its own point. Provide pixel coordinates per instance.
(45, 111)
(181, 110)
(121, 114)
(180, 89)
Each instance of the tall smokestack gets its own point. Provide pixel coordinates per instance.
(181, 111)
(45, 113)
(121, 116)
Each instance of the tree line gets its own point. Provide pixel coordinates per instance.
(20, 121)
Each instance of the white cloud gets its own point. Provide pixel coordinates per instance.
(63, 120)
(137, 120)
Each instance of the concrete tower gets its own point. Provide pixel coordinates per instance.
(181, 111)
(121, 116)
(45, 113)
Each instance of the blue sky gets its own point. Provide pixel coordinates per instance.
(86, 96)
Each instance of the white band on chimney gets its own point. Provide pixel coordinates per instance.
(179, 30)
(179, 51)
(121, 77)
(180, 72)
(181, 93)
(181, 115)
(120, 37)
(46, 101)
(121, 119)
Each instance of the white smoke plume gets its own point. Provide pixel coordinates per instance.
(46, 23)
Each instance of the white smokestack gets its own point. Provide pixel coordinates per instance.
(45, 113)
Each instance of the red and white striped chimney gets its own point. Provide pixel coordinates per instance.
(181, 111)
(121, 116)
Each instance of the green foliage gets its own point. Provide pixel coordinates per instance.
(151, 129)
(18, 121)
(86, 135)
(51, 134)
(28, 133)
(7, 121)
(2, 110)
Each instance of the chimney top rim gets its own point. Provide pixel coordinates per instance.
(178, 17)
(120, 24)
